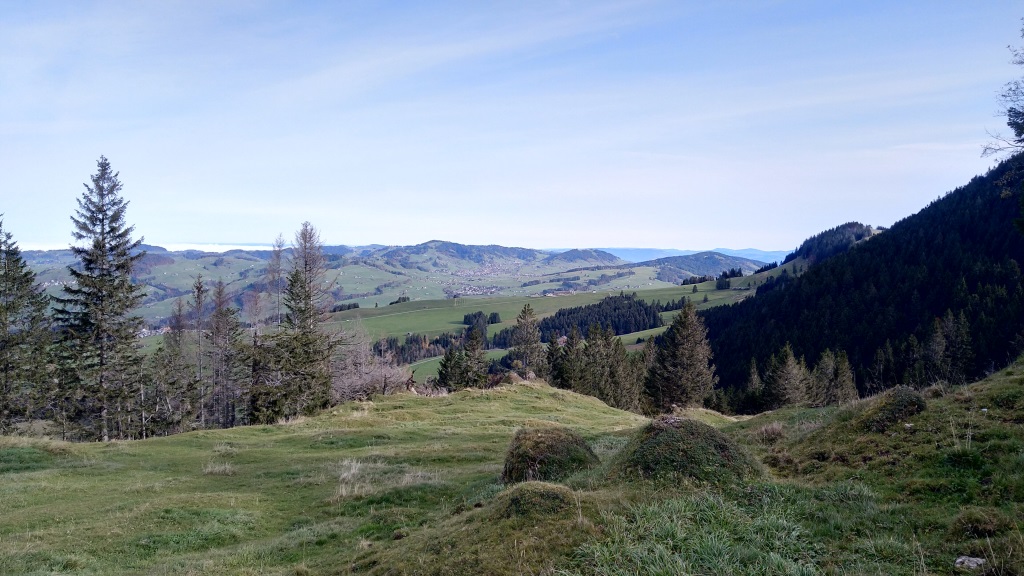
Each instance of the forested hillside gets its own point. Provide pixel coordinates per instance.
(676, 269)
(834, 241)
(936, 297)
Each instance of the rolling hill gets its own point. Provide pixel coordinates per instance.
(375, 276)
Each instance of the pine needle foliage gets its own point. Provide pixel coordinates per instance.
(24, 333)
(95, 310)
(682, 373)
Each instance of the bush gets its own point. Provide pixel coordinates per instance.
(534, 499)
(770, 433)
(546, 454)
(674, 447)
(894, 406)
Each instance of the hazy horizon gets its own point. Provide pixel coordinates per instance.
(632, 122)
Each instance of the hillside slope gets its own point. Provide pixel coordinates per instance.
(408, 485)
(307, 496)
(678, 268)
(885, 300)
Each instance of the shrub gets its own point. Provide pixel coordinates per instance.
(770, 433)
(673, 447)
(894, 406)
(534, 499)
(546, 454)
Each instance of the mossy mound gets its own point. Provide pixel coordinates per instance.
(547, 453)
(674, 447)
(894, 406)
(534, 499)
(974, 522)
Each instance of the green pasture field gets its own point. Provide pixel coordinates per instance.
(407, 484)
(306, 497)
(426, 368)
(432, 317)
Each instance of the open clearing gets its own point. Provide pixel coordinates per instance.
(408, 485)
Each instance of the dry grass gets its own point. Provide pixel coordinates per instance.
(218, 469)
(770, 433)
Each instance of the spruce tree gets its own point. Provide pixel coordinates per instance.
(598, 365)
(225, 341)
(451, 374)
(526, 345)
(305, 346)
(831, 382)
(573, 362)
(172, 378)
(24, 334)
(555, 356)
(95, 310)
(476, 361)
(683, 373)
(845, 388)
(787, 380)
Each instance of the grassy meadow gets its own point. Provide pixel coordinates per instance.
(409, 485)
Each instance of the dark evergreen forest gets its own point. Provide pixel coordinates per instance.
(899, 302)
(826, 244)
(623, 314)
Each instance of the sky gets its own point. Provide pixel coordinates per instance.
(551, 124)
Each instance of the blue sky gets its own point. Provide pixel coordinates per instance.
(541, 124)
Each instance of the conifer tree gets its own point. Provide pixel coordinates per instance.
(173, 379)
(305, 346)
(275, 269)
(598, 367)
(24, 334)
(786, 383)
(225, 340)
(754, 383)
(683, 373)
(198, 305)
(573, 365)
(554, 356)
(95, 310)
(476, 361)
(831, 382)
(527, 349)
(845, 388)
(451, 374)
(627, 376)
(464, 367)
(959, 355)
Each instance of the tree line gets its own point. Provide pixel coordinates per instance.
(678, 372)
(74, 359)
(623, 314)
(824, 245)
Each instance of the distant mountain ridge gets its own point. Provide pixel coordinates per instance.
(678, 268)
(376, 275)
(649, 254)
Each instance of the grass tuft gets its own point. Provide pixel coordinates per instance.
(218, 469)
